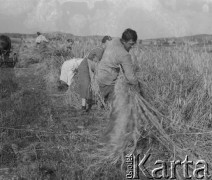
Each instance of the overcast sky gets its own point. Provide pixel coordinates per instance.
(150, 18)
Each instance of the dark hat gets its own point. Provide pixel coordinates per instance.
(38, 33)
(106, 38)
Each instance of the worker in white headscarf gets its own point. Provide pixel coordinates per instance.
(68, 70)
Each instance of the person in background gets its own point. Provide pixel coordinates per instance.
(40, 39)
(69, 45)
(116, 56)
(5, 50)
(94, 56)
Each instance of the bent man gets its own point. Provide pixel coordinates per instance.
(116, 55)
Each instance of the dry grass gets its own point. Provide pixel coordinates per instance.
(175, 108)
(42, 131)
(45, 136)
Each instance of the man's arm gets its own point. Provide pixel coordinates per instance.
(127, 67)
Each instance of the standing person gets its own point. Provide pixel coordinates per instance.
(69, 45)
(94, 56)
(116, 55)
(5, 49)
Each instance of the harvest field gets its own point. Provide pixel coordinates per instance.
(44, 136)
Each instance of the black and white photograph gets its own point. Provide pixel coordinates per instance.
(105, 89)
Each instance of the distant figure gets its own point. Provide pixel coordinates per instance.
(68, 46)
(68, 70)
(5, 47)
(94, 56)
(40, 39)
(70, 43)
(116, 56)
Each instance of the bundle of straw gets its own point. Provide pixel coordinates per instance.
(131, 117)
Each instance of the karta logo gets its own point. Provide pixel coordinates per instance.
(164, 169)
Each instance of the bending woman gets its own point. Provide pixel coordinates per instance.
(84, 78)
